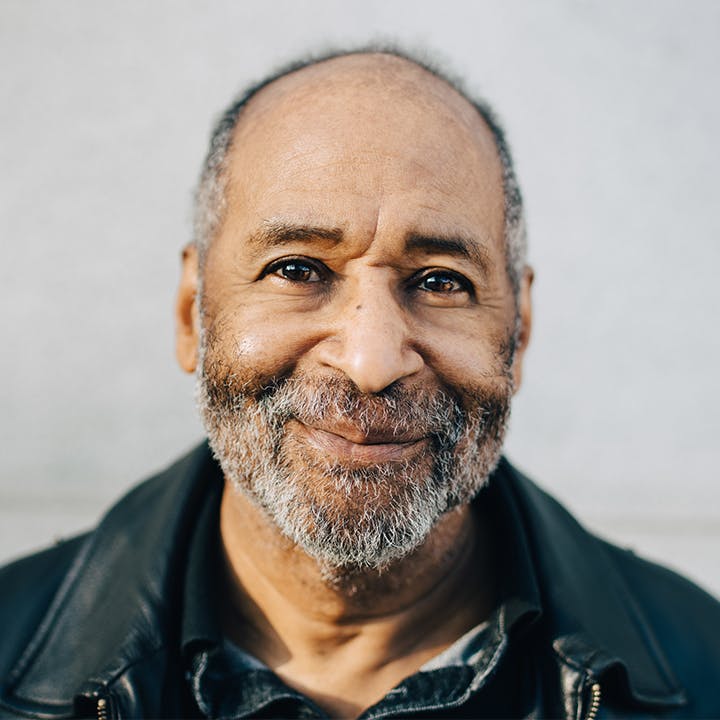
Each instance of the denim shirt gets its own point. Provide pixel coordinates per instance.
(489, 672)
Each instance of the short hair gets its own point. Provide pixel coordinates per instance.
(211, 198)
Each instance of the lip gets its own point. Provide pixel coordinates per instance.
(363, 450)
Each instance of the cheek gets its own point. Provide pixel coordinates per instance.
(251, 348)
(470, 354)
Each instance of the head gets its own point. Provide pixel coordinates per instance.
(356, 302)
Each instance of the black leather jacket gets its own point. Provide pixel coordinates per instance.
(90, 628)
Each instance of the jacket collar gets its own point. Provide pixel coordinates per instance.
(594, 620)
(119, 603)
(96, 628)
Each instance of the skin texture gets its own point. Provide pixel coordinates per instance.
(339, 175)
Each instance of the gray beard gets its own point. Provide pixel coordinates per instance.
(349, 517)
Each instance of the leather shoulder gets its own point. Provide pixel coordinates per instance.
(81, 614)
(612, 612)
(27, 586)
(686, 623)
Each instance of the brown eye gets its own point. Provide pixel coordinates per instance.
(442, 282)
(295, 271)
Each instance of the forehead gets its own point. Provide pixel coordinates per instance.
(363, 137)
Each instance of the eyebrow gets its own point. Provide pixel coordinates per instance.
(467, 248)
(277, 234)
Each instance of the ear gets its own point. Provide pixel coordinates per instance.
(187, 315)
(525, 313)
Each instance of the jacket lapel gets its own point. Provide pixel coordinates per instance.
(594, 618)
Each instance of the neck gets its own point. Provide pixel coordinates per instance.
(308, 623)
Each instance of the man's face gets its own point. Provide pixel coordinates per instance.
(355, 371)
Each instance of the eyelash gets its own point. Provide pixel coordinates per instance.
(323, 272)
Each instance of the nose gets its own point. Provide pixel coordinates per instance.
(371, 341)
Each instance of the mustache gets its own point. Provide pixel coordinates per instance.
(397, 411)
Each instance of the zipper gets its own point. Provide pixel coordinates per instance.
(595, 695)
(102, 709)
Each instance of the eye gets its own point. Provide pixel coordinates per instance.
(295, 270)
(443, 281)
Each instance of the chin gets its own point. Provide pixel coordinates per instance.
(355, 518)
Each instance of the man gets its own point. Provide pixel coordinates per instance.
(356, 306)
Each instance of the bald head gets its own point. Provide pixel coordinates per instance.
(375, 105)
(367, 81)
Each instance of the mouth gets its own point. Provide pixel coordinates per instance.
(350, 446)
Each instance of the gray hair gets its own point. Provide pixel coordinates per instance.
(211, 198)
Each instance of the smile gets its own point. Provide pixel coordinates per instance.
(356, 449)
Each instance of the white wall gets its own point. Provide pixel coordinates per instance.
(613, 112)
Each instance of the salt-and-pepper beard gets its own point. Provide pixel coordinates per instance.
(351, 517)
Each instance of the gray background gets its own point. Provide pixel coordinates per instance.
(613, 112)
